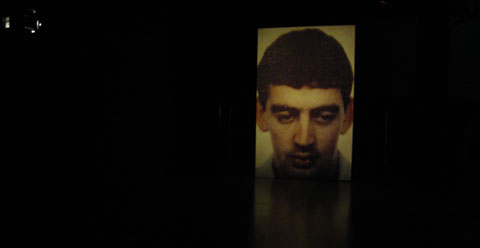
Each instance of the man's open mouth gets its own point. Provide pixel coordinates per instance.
(303, 162)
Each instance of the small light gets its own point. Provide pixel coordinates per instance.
(6, 21)
(33, 31)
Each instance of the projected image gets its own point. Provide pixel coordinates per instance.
(305, 79)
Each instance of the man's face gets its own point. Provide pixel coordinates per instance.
(304, 125)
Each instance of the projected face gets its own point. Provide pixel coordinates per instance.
(304, 125)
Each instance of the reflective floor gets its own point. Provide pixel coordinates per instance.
(278, 213)
(301, 214)
(314, 214)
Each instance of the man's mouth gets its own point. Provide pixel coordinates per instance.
(303, 161)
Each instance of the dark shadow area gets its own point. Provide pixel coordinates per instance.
(135, 126)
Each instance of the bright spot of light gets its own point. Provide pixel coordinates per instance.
(33, 31)
(6, 21)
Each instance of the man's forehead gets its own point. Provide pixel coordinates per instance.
(303, 98)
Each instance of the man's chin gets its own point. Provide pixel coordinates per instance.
(295, 171)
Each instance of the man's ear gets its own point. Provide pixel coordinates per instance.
(347, 122)
(260, 117)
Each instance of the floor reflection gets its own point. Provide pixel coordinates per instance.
(301, 213)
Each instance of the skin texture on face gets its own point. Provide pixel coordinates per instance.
(304, 125)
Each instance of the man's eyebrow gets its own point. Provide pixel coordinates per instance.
(334, 108)
(282, 108)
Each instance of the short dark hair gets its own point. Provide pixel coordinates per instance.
(305, 58)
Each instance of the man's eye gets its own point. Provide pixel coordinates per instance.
(324, 119)
(285, 118)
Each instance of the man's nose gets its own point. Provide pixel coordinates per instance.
(304, 134)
